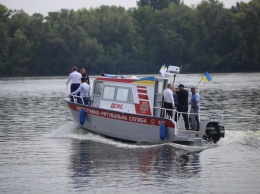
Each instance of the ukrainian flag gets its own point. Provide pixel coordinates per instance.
(163, 70)
(206, 77)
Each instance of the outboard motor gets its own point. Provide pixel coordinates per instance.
(214, 131)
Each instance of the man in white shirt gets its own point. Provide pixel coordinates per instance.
(74, 79)
(168, 99)
(84, 92)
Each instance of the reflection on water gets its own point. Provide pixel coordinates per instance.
(148, 165)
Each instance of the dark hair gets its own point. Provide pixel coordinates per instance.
(181, 85)
(83, 79)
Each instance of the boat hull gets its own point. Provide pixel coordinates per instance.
(123, 126)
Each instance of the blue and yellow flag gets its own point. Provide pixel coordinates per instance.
(163, 70)
(206, 77)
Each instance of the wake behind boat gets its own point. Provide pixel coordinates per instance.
(130, 109)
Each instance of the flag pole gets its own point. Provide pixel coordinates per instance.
(199, 81)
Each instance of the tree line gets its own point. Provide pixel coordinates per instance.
(111, 39)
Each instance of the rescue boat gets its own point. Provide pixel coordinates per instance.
(130, 110)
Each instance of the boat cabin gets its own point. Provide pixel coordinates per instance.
(138, 96)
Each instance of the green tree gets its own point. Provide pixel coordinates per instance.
(247, 22)
(20, 53)
(155, 4)
(116, 36)
(177, 37)
(212, 22)
(4, 39)
(139, 40)
(146, 36)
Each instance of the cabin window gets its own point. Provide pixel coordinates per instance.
(109, 92)
(116, 93)
(98, 88)
(122, 94)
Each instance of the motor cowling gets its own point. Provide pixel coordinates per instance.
(214, 131)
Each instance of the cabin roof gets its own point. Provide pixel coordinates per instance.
(122, 80)
(140, 81)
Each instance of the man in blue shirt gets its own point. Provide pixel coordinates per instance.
(195, 105)
(84, 92)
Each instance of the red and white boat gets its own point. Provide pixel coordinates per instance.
(130, 110)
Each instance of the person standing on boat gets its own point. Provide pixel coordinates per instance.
(85, 75)
(175, 97)
(182, 107)
(195, 105)
(84, 92)
(74, 79)
(168, 99)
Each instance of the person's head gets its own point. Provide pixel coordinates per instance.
(83, 79)
(169, 86)
(181, 87)
(82, 70)
(193, 90)
(74, 68)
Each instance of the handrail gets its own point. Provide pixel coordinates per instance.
(208, 117)
(164, 110)
(75, 97)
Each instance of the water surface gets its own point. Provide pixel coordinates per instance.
(44, 151)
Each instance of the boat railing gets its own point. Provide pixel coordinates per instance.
(163, 112)
(78, 99)
(206, 117)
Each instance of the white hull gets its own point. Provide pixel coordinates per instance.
(131, 127)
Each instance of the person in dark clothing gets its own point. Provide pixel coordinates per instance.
(182, 107)
(175, 97)
(83, 73)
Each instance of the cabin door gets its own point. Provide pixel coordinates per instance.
(96, 97)
(160, 85)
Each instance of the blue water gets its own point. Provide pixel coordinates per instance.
(44, 151)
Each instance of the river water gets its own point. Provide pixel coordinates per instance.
(44, 151)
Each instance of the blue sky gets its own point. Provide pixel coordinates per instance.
(45, 6)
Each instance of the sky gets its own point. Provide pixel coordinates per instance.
(45, 6)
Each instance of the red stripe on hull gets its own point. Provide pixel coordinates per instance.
(148, 120)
